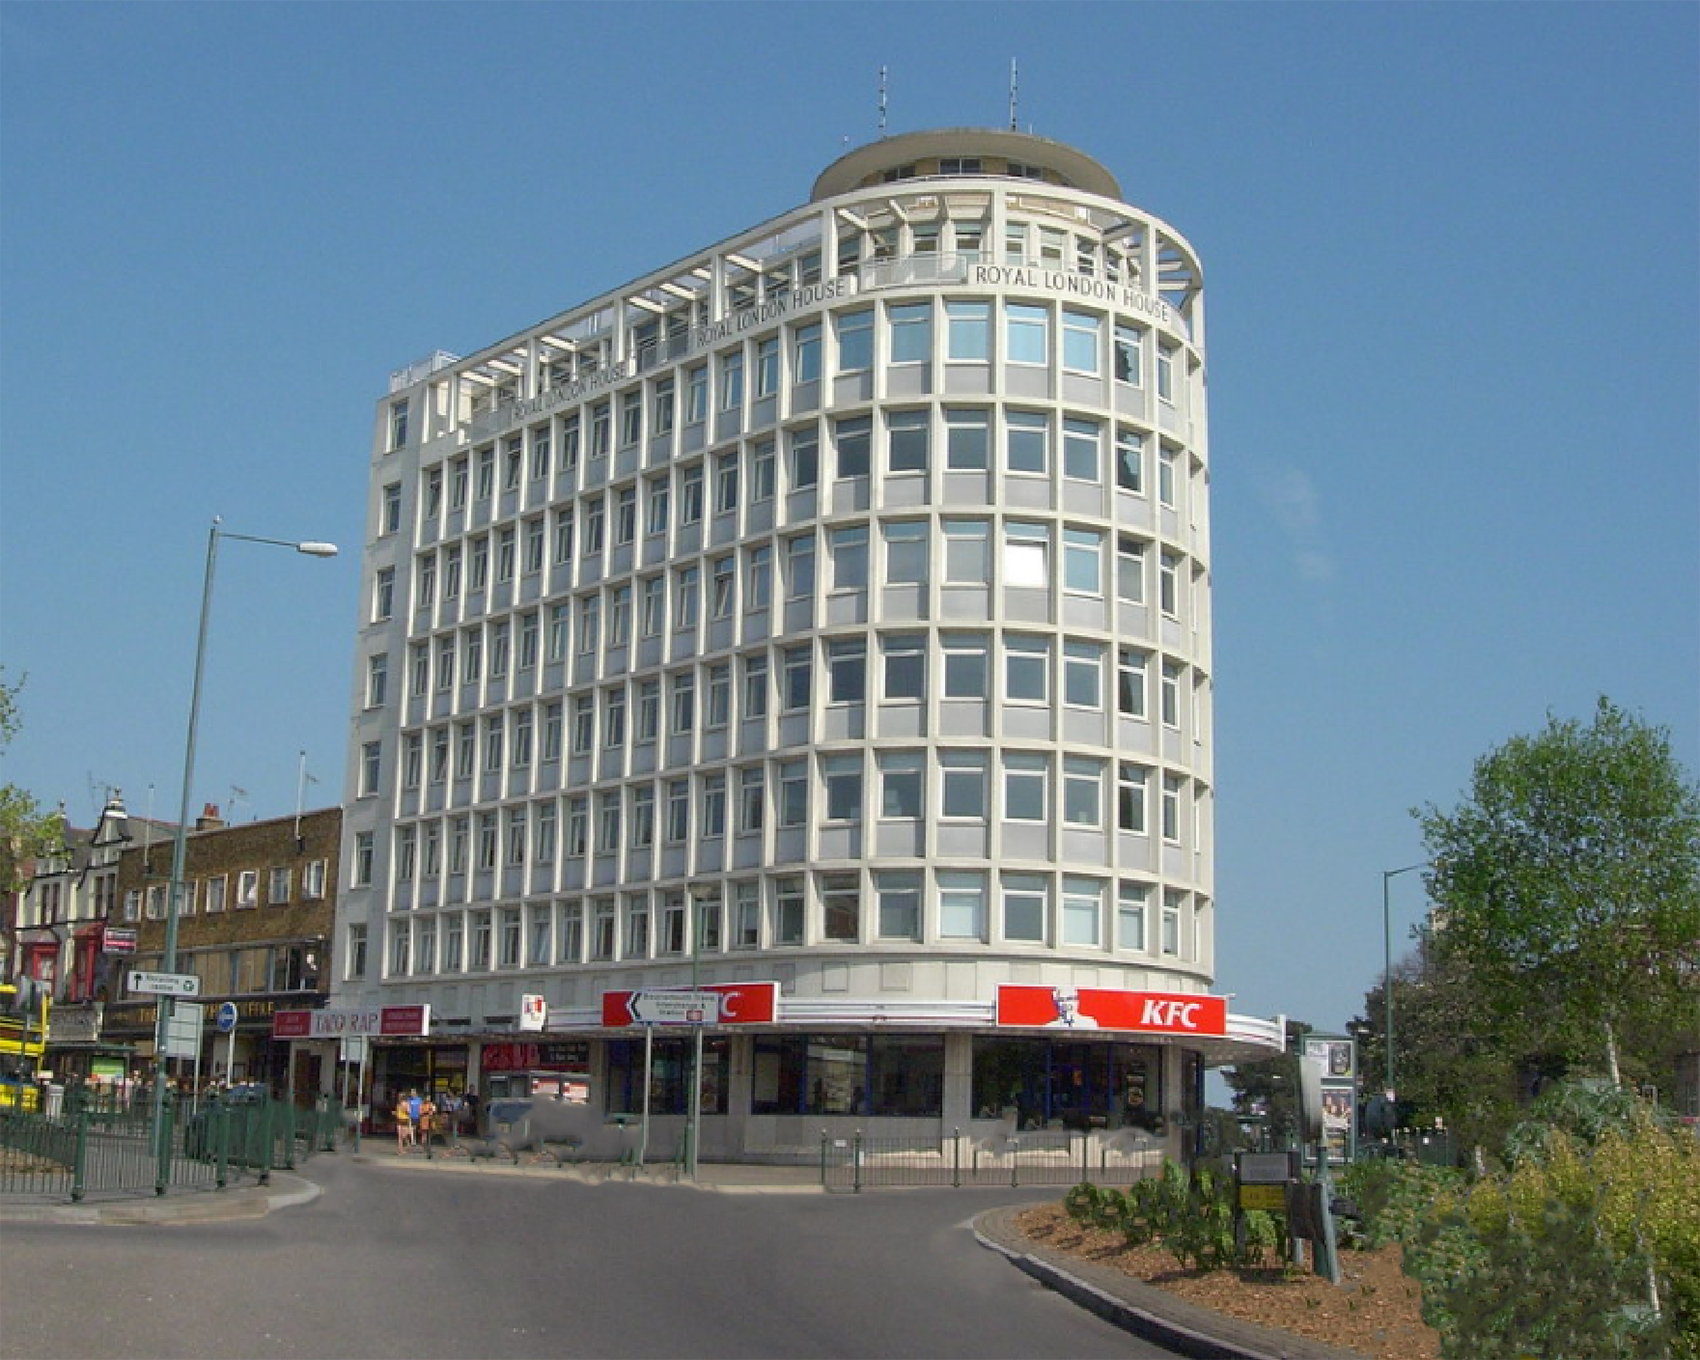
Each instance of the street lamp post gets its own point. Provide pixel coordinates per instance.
(1387, 877)
(179, 847)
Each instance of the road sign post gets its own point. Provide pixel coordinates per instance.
(163, 984)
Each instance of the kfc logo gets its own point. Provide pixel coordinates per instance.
(1103, 1008)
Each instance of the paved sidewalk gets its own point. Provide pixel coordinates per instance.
(179, 1206)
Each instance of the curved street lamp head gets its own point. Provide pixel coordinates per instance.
(316, 549)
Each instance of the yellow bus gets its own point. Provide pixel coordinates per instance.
(23, 1040)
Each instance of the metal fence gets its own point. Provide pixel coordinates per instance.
(1043, 1157)
(90, 1147)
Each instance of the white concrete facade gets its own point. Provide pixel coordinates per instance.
(830, 607)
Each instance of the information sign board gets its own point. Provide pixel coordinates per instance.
(163, 984)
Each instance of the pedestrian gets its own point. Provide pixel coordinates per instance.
(427, 1121)
(403, 1125)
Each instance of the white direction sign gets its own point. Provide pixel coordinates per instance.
(675, 1008)
(164, 984)
(183, 1029)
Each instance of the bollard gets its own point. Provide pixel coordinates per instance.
(79, 1177)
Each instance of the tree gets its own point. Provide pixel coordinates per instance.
(1448, 1065)
(25, 830)
(1568, 890)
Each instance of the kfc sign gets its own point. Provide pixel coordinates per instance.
(1103, 1008)
(741, 1003)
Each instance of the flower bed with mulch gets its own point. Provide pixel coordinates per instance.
(1375, 1310)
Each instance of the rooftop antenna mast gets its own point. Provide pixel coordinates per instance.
(303, 779)
(1012, 126)
(882, 101)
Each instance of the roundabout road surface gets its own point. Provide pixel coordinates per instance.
(391, 1263)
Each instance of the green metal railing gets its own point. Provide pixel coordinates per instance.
(98, 1147)
(1042, 1157)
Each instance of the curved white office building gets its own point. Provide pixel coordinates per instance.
(822, 619)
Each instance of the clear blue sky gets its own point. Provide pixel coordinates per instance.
(1451, 267)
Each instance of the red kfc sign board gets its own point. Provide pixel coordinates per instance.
(1104, 1008)
(741, 1003)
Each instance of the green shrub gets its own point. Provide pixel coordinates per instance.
(1190, 1213)
(1570, 1247)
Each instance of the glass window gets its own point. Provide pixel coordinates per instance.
(1024, 787)
(1024, 908)
(965, 665)
(1172, 907)
(1130, 682)
(967, 438)
(899, 905)
(900, 784)
(1130, 570)
(1027, 432)
(1130, 797)
(841, 907)
(790, 901)
(850, 558)
(1082, 911)
(798, 668)
(732, 380)
(847, 665)
(1166, 373)
(800, 567)
(1083, 674)
(855, 340)
(1026, 547)
(758, 577)
(805, 360)
(968, 330)
(964, 777)
(1083, 457)
(908, 434)
(907, 553)
(794, 793)
(852, 440)
(755, 685)
(905, 657)
(752, 798)
(842, 776)
(1083, 561)
(661, 413)
(1027, 665)
(962, 906)
(767, 367)
(1127, 354)
(762, 471)
(696, 394)
(911, 332)
(1080, 342)
(1130, 461)
(1171, 808)
(802, 455)
(1131, 901)
(1083, 792)
(967, 552)
(1026, 333)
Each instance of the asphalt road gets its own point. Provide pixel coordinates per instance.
(388, 1262)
